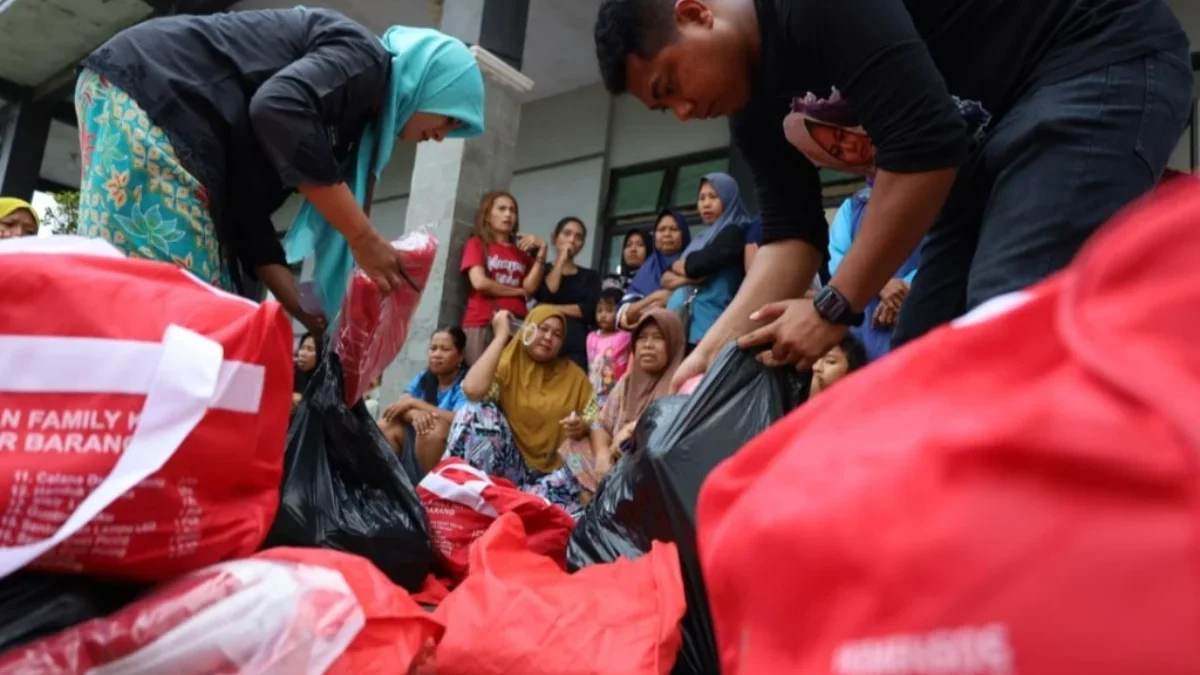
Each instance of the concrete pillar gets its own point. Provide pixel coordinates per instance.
(23, 143)
(449, 179)
(496, 25)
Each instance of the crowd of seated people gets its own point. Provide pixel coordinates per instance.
(554, 364)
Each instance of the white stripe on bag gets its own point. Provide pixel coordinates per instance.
(31, 364)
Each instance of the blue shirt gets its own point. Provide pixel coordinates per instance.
(450, 399)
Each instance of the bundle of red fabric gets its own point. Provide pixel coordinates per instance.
(372, 328)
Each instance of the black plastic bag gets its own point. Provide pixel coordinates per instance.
(652, 492)
(35, 605)
(344, 488)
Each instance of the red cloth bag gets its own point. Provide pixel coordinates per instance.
(461, 502)
(399, 637)
(1016, 493)
(142, 414)
(372, 328)
(518, 613)
(246, 616)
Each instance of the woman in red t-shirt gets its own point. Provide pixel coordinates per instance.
(500, 264)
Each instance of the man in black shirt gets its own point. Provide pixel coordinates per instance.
(1084, 101)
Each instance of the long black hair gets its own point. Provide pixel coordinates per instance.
(429, 380)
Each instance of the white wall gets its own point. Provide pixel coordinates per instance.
(642, 135)
(572, 189)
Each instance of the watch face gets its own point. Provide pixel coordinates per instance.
(828, 304)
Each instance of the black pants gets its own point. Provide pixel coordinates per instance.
(1058, 165)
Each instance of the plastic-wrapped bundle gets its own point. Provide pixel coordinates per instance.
(372, 328)
(652, 492)
(246, 616)
(34, 605)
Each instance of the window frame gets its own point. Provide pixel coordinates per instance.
(615, 226)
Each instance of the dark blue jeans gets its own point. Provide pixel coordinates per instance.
(1059, 164)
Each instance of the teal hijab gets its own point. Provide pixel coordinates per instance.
(432, 73)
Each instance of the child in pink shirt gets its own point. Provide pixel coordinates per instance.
(607, 348)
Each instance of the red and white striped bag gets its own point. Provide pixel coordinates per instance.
(142, 414)
(461, 502)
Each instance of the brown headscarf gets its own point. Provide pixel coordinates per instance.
(642, 388)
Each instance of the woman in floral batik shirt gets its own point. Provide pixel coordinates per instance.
(195, 129)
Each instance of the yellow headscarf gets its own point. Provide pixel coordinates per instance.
(536, 396)
(10, 204)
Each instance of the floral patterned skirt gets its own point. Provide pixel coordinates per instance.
(134, 193)
(481, 435)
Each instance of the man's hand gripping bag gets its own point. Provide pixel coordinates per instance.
(142, 414)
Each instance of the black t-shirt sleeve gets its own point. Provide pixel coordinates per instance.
(344, 72)
(871, 51)
(787, 184)
(726, 250)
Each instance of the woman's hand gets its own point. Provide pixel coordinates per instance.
(396, 411)
(574, 427)
(679, 268)
(424, 423)
(670, 281)
(502, 324)
(624, 434)
(378, 259)
(532, 244)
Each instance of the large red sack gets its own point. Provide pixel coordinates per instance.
(399, 636)
(255, 617)
(1017, 493)
(461, 502)
(146, 403)
(372, 328)
(518, 613)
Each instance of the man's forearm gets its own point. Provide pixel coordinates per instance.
(901, 211)
(282, 284)
(782, 270)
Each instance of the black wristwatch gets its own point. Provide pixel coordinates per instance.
(835, 308)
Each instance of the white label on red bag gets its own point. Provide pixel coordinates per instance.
(970, 650)
(468, 493)
(180, 379)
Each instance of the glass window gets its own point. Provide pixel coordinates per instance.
(612, 257)
(687, 179)
(637, 193)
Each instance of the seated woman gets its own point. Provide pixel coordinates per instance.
(848, 356)
(420, 419)
(17, 218)
(671, 237)
(306, 361)
(526, 401)
(708, 274)
(658, 346)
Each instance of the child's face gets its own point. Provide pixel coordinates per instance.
(606, 316)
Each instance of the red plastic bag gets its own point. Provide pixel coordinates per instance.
(372, 328)
(245, 616)
(151, 405)
(518, 613)
(1017, 493)
(461, 502)
(399, 636)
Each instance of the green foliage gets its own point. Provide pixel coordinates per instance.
(63, 217)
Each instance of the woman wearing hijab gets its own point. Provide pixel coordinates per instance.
(658, 349)
(634, 250)
(671, 237)
(527, 400)
(707, 275)
(195, 129)
(17, 218)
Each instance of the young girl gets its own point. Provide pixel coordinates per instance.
(607, 347)
(500, 264)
